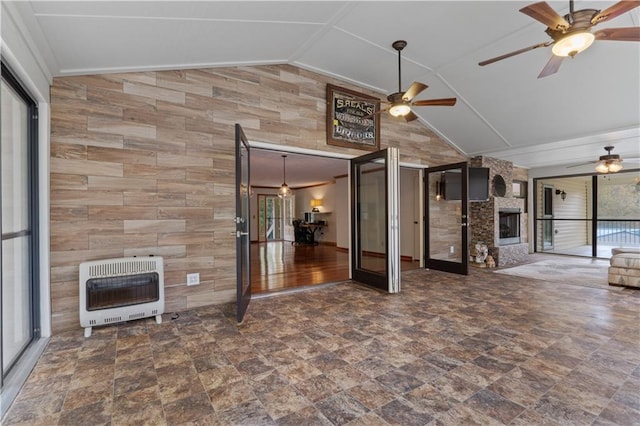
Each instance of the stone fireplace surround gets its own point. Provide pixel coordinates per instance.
(484, 215)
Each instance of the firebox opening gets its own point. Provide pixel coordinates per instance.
(110, 292)
(509, 226)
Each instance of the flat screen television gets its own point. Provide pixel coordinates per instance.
(478, 184)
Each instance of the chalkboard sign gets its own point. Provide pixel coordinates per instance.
(352, 120)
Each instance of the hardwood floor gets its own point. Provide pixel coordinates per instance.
(279, 265)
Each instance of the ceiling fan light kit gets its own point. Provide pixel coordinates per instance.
(571, 33)
(573, 44)
(399, 110)
(608, 167)
(610, 163)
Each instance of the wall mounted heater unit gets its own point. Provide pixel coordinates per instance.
(117, 290)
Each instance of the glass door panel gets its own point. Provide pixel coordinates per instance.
(18, 221)
(375, 234)
(446, 195)
(547, 218)
(16, 300)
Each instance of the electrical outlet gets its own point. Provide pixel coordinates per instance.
(452, 249)
(193, 279)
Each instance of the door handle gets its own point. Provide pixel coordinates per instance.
(239, 234)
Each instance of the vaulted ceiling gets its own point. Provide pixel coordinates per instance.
(503, 109)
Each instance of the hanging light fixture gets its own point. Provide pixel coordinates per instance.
(284, 191)
(610, 163)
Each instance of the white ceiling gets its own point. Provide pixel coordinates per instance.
(503, 110)
(268, 169)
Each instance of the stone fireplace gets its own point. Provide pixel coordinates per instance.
(501, 221)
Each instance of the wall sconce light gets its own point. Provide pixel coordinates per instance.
(562, 194)
(315, 204)
(438, 190)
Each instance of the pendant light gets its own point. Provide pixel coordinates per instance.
(284, 191)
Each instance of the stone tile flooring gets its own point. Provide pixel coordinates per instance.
(485, 349)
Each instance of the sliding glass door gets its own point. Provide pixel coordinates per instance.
(587, 215)
(18, 225)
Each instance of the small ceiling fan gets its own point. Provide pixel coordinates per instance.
(401, 102)
(571, 34)
(608, 163)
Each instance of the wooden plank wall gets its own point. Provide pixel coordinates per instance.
(143, 163)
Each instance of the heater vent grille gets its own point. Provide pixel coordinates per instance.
(119, 267)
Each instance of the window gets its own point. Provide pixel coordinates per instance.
(18, 224)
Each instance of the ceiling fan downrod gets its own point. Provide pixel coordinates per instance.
(399, 45)
(570, 12)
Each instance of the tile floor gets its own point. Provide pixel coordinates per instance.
(484, 349)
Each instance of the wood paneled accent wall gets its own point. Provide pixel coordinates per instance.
(143, 163)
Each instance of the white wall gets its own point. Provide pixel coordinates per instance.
(341, 213)
(326, 193)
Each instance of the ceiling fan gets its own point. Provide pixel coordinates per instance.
(571, 34)
(608, 163)
(401, 102)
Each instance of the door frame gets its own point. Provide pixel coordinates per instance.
(243, 226)
(338, 155)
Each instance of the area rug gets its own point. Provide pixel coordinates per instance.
(574, 271)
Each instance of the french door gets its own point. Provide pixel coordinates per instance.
(375, 233)
(243, 252)
(275, 216)
(447, 215)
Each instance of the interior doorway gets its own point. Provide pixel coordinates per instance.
(321, 177)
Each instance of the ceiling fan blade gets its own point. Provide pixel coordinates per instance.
(436, 102)
(514, 53)
(410, 117)
(619, 34)
(614, 11)
(380, 111)
(582, 164)
(413, 91)
(542, 12)
(552, 66)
